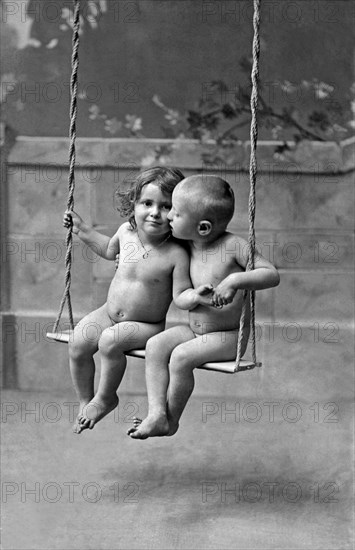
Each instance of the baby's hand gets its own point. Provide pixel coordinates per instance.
(223, 294)
(204, 293)
(71, 218)
(202, 290)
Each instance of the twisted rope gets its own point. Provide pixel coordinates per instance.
(72, 156)
(252, 176)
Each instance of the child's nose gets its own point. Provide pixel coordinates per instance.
(170, 215)
(155, 211)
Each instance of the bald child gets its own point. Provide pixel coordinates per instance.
(202, 207)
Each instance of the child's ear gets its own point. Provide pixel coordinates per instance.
(204, 228)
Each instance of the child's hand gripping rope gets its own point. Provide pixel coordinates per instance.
(72, 219)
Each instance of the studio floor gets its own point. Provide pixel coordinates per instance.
(239, 474)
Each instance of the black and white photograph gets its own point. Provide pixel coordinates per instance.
(177, 274)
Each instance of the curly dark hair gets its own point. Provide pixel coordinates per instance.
(165, 178)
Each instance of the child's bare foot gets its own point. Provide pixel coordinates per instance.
(94, 411)
(173, 425)
(173, 428)
(151, 426)
(76, 426)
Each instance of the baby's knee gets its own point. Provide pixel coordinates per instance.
(180, 360)
(154, 345)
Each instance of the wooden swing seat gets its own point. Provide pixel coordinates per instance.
(229, 367)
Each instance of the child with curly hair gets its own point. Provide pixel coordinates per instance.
(153, 268)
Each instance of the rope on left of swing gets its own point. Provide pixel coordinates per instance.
(72, 156)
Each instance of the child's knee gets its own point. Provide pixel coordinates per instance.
(109, 343)
(180, 360)
(154, 345)
(84, 339)
(78, 347)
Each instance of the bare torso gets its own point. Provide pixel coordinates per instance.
(141, 289)
(213, 267)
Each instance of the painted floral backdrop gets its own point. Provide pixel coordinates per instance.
(179, 69)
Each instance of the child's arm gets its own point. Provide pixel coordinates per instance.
(104, 246)
(264, 275)
(193, 297)
(186, 297)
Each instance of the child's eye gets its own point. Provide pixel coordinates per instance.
(167, 207)
(147, 203)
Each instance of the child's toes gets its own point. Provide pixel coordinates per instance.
(77, 429)
(85, 423)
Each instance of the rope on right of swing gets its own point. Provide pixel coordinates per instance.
(252, 198)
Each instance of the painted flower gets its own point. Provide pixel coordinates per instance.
(112, 125)
(322, 90)
(94, 111)
(275, 131)
(172, 116)
(133, 123)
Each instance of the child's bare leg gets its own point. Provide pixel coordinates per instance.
(113, 344)
(158, 351)
(214, 346)
(82, 348)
